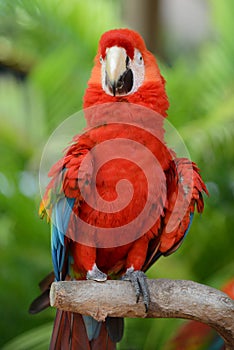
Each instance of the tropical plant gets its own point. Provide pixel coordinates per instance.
(49, 46)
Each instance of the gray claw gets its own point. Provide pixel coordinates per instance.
(139, 282)
(96, 275)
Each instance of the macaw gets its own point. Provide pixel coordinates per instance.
(125, 74)
(195, 335)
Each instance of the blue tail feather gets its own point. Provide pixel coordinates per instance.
(92, 326)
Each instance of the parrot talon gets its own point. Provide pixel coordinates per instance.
(96, 275)
(139, 283)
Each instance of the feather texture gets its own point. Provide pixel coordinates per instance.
(177, 192)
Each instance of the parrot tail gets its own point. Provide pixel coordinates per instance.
(73, 331)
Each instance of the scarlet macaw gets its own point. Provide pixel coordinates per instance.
(124, 71)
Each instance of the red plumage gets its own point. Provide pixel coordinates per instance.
(177, 180)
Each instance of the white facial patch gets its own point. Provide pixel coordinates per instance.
(138, 68)
(116, 63)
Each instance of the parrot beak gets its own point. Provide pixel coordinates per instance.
(119, 78)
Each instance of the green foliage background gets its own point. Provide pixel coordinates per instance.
(55, 42)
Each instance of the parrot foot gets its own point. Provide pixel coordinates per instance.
(139, 283)
(96, 275)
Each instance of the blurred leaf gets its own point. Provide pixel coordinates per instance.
(35, 339)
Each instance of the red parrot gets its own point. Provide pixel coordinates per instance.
(195, 335)
(125, 82)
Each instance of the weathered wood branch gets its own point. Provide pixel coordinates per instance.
(169, 298)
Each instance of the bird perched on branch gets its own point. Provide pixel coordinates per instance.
(119, 198)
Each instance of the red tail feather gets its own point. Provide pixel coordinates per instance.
(69, 333)
(103, 341)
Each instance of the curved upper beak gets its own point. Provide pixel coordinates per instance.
(115, 68)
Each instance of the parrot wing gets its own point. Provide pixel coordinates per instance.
(62, 198)
(57, 208)
(184, 193)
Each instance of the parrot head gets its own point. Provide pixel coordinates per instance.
(122, 63)
(125, 70)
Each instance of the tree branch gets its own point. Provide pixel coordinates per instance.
(169, 298)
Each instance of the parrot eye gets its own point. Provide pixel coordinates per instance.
(139, 58)
(101, 59)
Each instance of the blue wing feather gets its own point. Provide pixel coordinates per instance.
(189, 225)
(60, 219)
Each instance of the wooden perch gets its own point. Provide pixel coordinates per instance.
(169, 298)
